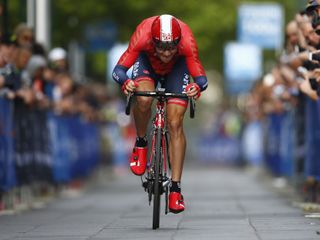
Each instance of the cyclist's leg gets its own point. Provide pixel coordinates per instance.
(177, 145)
(142, 108)
(143, 74)
(176, 82)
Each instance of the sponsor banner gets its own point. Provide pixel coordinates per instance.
(242, 66)
(261, 24)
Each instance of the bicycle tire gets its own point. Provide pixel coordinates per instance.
(192, 107)
(156, 185)
(167, 150)
(128, 105)
(166, 142)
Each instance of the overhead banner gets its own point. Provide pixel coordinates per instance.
(261, 24)
(100, 36)
(242, 66)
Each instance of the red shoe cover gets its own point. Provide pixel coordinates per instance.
(176, 203)
(138, 160)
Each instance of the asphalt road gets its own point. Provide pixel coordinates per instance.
(221, 203)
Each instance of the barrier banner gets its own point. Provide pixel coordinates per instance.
(60, 148)
(252, 143)
(41, 160)
(287, 142)
(37, 146)
(312, 137)
(75, 147)
(7, 167)
(218, 149)
(273, 157)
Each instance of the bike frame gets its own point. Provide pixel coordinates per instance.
(159, 123)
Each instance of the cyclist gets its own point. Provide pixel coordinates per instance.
(162, 50)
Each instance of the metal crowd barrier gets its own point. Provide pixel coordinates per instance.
(75, 147)
(280, 143)
(7, 166)
(292, 142)
(39, 146)
(312, 138)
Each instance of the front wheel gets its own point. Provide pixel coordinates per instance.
(192, 107)
(156, 185)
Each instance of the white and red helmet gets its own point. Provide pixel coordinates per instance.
(166, 31)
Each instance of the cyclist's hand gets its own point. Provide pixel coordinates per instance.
(129, 86)
(193, 90)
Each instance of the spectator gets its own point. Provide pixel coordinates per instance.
(23, 35)
(63, 94)
(292, 38)
(35, 73)
(7, 50)
(58, 59)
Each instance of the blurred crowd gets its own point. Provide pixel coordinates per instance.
(286, 100)
(296, 72)
(54, 128)
(41, 79)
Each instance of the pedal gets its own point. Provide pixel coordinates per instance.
(166, 183)
(162, 188)
(145, 186)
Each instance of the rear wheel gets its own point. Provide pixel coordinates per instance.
(156, 185)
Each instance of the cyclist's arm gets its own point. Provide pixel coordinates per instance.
(128, 58)
(190, 50)
(120, 76)
(196, 71)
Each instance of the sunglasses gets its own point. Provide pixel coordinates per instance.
(27, 37)
(166, 45)
(170, 49)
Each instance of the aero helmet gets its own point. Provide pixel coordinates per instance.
(166, 31)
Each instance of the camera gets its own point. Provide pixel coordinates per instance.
(9, 77)
(314, 56)
(315, 21)
(313, 84)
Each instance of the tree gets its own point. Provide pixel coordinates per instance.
(213, 22)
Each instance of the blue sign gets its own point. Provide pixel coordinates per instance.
(101, 36)
(242, 66)
(113, 57)
(261, 24)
